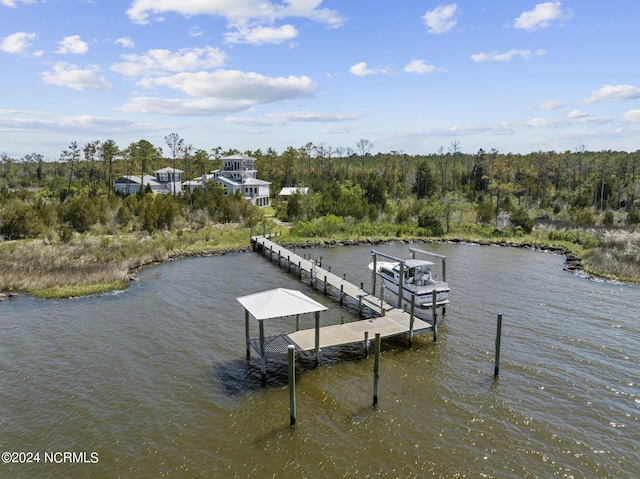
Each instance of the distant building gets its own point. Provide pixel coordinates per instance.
(166, 180)
(237, 174)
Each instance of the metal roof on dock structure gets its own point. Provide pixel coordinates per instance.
(279, 302)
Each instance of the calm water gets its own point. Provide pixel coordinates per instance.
(154, 381)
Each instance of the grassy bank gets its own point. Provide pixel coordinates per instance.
(96, 264)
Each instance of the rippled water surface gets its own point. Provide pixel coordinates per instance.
(155, 381)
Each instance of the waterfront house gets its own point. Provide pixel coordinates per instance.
(166, 180)
(237, 175)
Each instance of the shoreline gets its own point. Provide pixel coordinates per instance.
(572, 264)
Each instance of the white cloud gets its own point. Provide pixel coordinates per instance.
(550, 105)
(261, 35)
(337, 129)
(184, 106)
(13, 4)
(632, 116)
(236, 10)
(17, 42)
(441, 19)
(575, 114)
(35, 120)
(155, 62)
(239, 85)
(541, 16)
(295, 116)
(65, 74)
(361, 70)
(418, 66)
(506, 56)
(219, 92)
(125, 42)
(73, 44)
(614, 93)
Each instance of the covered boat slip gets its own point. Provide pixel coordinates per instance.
(280, 303)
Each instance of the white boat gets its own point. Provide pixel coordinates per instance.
(417, 280)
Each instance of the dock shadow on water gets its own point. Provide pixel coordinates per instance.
(243, 375)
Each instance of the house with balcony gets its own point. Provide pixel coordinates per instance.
(237, 174)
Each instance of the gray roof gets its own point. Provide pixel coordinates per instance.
(255, 181)
(277, 303)
(136, 180)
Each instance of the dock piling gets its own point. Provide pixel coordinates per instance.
(498, 334)
(411, 317)
(435, 316)
(292, 385)
(376, 370)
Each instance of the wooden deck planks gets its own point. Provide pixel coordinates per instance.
(394, 322)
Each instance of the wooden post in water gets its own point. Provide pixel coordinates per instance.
(325, 284)
(435, 316)
(263, 357)
(498, 334)
(289, 263)
(359, 305)
(341, 293)
(401, 285)
(413, 307)
(382, 311)
(292, 385)
(376, 371)
(246, 333)
(300, 270)
(444, 269)
(317, 348)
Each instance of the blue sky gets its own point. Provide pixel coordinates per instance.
(407, 75)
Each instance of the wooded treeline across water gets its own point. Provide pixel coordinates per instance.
(422, 194)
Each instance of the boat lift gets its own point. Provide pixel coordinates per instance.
(375, 254)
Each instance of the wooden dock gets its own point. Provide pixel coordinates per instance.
(380, 317)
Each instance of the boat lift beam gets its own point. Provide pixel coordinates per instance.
(375, 255)
(434, 255)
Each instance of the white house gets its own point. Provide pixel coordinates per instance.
(166, 180)
(237, 174)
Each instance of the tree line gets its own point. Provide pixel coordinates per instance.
(426, 194)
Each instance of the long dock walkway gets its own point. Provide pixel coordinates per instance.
(383, 318)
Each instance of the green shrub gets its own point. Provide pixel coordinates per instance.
(484, 212)
(521, 219)
(608, 219)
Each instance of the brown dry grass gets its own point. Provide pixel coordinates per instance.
(616, 257)
(95, 264)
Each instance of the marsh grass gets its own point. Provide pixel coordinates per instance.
(96, 264)
(615, 258)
